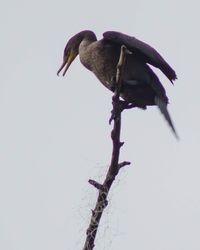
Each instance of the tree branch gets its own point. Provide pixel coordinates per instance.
(115, 166)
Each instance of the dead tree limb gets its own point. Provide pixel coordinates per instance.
(114, 165)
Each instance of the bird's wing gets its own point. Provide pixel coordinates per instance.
(145, 51)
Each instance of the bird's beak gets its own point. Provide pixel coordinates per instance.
(67, 62)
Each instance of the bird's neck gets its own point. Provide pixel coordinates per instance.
(84, 45)
(89, 37)
(85, 49)
(85, 53)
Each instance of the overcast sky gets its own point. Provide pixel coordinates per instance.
(54, 131)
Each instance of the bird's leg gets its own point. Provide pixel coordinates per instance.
(122, 105)
(130, 106)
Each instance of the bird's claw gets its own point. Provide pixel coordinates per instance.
(115, 113)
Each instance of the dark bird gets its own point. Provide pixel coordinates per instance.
(140, 85)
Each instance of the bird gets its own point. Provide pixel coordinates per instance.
(141, 87)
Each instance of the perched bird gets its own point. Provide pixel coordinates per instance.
(140, 85)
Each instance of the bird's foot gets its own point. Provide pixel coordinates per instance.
(119, 107)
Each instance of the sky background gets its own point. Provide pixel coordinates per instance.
(54, 131)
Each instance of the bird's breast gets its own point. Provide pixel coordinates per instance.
(101, 59)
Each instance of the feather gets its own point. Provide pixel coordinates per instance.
(163, 108)
(149, 54)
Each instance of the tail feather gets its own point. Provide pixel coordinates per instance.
(163, 108)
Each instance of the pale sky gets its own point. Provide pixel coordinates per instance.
(54, 131)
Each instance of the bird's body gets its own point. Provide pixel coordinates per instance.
(140, 85)
(137, 76)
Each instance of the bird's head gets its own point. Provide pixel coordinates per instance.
(70, 53)
(72, 49)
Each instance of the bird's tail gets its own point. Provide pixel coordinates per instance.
(163, 108)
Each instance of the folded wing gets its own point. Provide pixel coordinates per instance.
(143, 50)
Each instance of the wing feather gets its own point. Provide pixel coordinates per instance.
(145, 51)
(163, 108)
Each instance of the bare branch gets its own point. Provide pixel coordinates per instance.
(115, 166)
(96, 184)
(123, 164)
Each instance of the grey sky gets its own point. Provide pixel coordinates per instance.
(54, 132)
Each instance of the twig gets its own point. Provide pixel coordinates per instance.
(115, 166)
